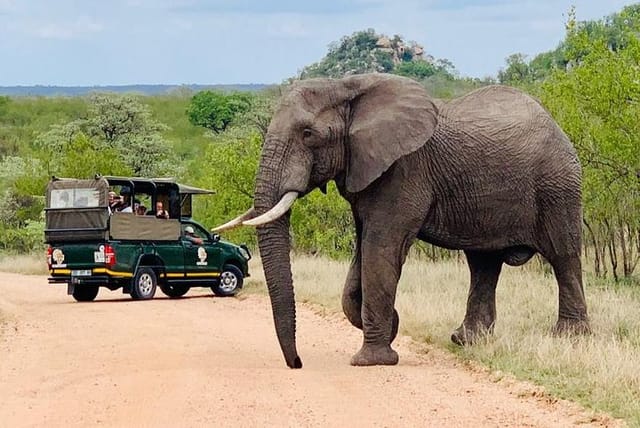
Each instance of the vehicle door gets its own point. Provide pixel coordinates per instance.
(204, 260)
(172, 254)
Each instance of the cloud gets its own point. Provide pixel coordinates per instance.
(61, 30)
(274, 7)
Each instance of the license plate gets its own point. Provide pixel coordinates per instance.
(82, 272)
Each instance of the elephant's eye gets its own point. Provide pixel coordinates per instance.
(307, 133)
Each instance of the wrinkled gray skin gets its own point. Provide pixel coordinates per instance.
(489, 173)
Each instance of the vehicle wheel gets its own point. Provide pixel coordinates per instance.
(230, 282)
(85, 293)
(144, 284)
(174, 290)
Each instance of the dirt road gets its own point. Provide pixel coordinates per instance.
(205, 361)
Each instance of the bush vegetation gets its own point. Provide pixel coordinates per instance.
(213, 139)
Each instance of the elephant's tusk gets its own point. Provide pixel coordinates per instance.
(274, 213)
(249, 214)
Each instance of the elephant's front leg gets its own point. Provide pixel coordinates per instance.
(352, 293)
(383, 254)
(480, 318)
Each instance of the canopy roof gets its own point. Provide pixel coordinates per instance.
(142, 183)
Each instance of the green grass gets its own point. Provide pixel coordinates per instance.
(600, 371)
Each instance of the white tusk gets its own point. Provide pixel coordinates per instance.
(251, 212)
(274, 213)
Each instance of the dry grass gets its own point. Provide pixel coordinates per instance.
(601, 371)
(26, 264)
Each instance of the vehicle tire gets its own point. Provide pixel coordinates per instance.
(144, 284)
(174, 290)
(85, 293)
(229, 283)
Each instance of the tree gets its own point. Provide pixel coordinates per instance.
(114, 118)
(421, 69)
(517, 70)
(597, 103)
(115, 123)
(217, 110)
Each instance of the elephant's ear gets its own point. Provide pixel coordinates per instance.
(390, 118)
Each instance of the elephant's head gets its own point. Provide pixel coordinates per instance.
(352, 130)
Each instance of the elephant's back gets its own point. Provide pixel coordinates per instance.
(500, 121)
(501, 115)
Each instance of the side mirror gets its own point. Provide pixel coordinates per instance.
(215, 237)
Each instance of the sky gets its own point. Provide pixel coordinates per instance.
(117, 42)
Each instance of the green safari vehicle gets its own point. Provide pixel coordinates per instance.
(93, 242)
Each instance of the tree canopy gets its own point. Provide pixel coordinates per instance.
(597, 103)
(217, 110)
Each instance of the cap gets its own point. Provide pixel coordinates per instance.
(189, 229)
(125, 190)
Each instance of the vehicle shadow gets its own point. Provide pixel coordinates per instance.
(129, 299)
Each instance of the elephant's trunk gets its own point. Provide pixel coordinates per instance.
(275, 245)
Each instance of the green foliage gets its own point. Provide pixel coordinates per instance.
(616, 32)
(416, 69)
(187, 140)
(597, 104)
(113, 118)
(216, 110)
(4, 101)
(83, 157)
(323, 224)
(228, 166)
(421, 69)
(119, 126)
(27, 239)
(21, 181)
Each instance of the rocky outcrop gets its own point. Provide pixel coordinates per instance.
(399, 50)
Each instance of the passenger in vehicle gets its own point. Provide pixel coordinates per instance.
(112, 199)
(160, 211)
(141, 209)
(114, 202)
(190, 235)
(125, 206)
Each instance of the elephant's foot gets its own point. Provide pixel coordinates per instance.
(370, 355)
(468, 334)
(395, 323)
(356, 321)
(571, 326)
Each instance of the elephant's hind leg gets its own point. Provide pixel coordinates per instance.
(352, 293)
(481, 303)
(572, 307)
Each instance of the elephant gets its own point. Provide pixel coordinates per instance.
(489, 173)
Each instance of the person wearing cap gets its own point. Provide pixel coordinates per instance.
(190, 235)
(125, 206)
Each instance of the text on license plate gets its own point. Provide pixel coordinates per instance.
(82, 272)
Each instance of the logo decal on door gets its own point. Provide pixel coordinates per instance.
(202, 255)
